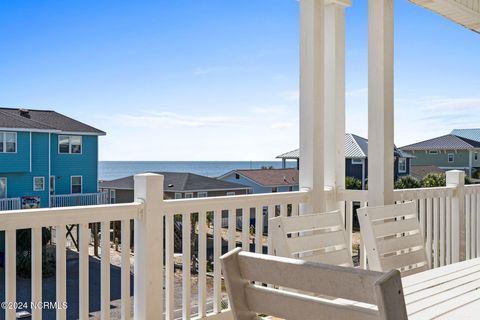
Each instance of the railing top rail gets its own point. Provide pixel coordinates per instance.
(32, 218)
(399, 194)
(78, 194)
(237, 201)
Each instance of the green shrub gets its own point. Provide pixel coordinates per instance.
(353, 183)
(407, 182)
(434, 180)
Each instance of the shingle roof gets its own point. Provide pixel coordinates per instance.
(178, 182)
(356, 147)
(271, 177)
(420, 172)
(446, 142)
(42, 120)
(471, 134)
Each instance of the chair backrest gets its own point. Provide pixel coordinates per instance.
(393, 238)
(315, 285)
(319, 237)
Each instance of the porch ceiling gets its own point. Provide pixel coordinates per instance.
(463, 12)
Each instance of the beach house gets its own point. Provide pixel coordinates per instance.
(265, 180)
(356, 159)
(47, 160)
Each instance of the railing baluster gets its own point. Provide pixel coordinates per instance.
(448, 217)
(10, 272)
(477, 213)
(363, 250)
(36, 271)
(232, 228)
(259, 229)
(422, 216)
(246, 229)
(169, 266)
(349, 224)
(217, 252)
(443, 231)
(473, 227)
(61, 270)
(83, 239)
(125, 270)
(467, 226)
(105, 270)
(436, 230)
(283, 210)
(429, 232)
(294, 209)
(202, 264)
(186, 251)
(271, 214)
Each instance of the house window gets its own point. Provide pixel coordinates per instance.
(290, 188)
(357, 161)
(189, 195)
(52, 185)
(274, 189)
(8, 142)
(230, 193)
(402, 165)
(113, 196)
(70, 144)
(433, 152)
(76, 184)
(475, 155)
(3, 188)
(237, 176)
(178, 195)
(202, 194)
(38, 183)
(451, 157)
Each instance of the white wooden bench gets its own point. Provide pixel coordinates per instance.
(319, 237)
(370, 294)
(393, 239)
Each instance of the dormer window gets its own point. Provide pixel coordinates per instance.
(70, 144)
(8, 142)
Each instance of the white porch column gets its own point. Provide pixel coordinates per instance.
(334, 120)
(380, 102)
(312, 16)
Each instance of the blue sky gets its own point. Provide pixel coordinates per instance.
(218, 79)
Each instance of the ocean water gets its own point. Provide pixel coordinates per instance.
(108, 170)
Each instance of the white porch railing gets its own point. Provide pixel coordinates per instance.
(193, 228)
(10, 204)
(78, 199)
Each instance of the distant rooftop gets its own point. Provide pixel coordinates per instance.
(42, 120)
(420, 172)
(269, 177)
(446, 142)
(356, 147)
(471, 134)
(177, 182)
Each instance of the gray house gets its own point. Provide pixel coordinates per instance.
(356, 159)
(177, 185)
(448, 152)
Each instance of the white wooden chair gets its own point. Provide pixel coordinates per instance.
(317, 237)
(393, 238)
(370, 294)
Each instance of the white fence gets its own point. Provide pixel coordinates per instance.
(189, 233)
(10, 204)
(78, 199)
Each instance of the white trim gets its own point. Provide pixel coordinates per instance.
(43, 183)
(70, 144)
(6, 187)
(178, 195)
(404, 170)
(54, 131)
(453, 157)
(203, 194)
(71, 184)
(5, 142)
(30, 152)
(230, 193)
(356, 161)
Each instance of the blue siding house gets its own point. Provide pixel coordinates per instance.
(44, 154)
(265, 180)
